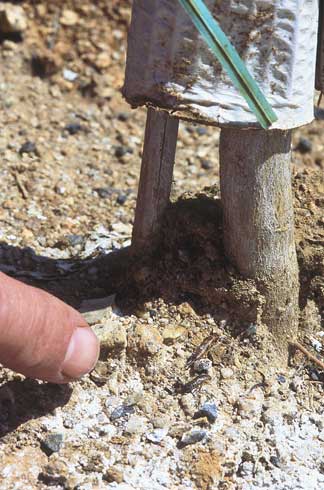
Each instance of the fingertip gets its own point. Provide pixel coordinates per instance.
(81, 355)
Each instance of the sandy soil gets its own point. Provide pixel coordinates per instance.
(70, 150)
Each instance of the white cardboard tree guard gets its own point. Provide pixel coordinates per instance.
(170, 66)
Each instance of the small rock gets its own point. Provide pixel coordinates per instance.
(208, 410)
(103, 60)
(251, 331)
(203, 365)
(157, 435)
(121, 412)
(75, 240)
(73, 128)
(250, 407)
(296, 384)
(94, 310)
(28, 147)
(101, 373)
(121, 199)
(146, 341)
(104, 192)
(54, 474)
(281, 379)
(161, 422)
(201, 130)
(206, 164)
(70, 75)
(304, 146)
(192, 437)
(226, 373)
(123, 116)
(112, 337)
(69, 18)
(12, 19)
(113, 475)
(275, 461)
(136, 425)
(45, 63)
(188, 404)
(172, 333)
(122, 228)
(185, 309)
(135, 398)
(122, 150)
(52, 443)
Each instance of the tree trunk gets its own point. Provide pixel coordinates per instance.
(156, 178)
(258, 218)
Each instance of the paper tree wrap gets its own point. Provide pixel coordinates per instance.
(170, 66)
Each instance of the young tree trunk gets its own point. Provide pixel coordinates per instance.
(156, 178)
(258, 218)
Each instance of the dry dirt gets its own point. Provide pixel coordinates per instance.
(70, 151)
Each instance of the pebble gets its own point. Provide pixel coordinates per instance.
(136, 425)
(28, 147)
(54, 474)
(69, 18)
(113, 475)
(100, 373)
(206, 164)
(304, 145)
(122, 411)
(208, 410)
(172, 333)
(70, 75)
(157, 435)
(135, 397)
(121, 151)
(281, 379)
(112, 337)
(188, 404)
(248, 407)
(75, 240)
(203, 365)
(251, 331)
(123, 116)
(52, 443)
(226, 373)
(12, 19)
(73, 128)
(192, 437)
(146, 340)
(121, 199)
(160, 422)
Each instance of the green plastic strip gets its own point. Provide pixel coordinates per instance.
(230, 60)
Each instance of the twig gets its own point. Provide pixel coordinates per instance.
(21, 186)
(308, 354)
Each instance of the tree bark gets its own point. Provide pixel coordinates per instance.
(156, 177)
(258, 216)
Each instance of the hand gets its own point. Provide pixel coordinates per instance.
(42, 337)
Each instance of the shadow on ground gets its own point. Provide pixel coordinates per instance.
(21, 401)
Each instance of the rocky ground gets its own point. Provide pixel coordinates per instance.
(70, 151)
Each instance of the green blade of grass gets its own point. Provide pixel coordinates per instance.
(230, 60)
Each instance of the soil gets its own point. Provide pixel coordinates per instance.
(70, 149)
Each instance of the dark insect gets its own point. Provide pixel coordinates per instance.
(195, 384)
(201, 350)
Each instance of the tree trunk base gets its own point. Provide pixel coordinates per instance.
(258, 220)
